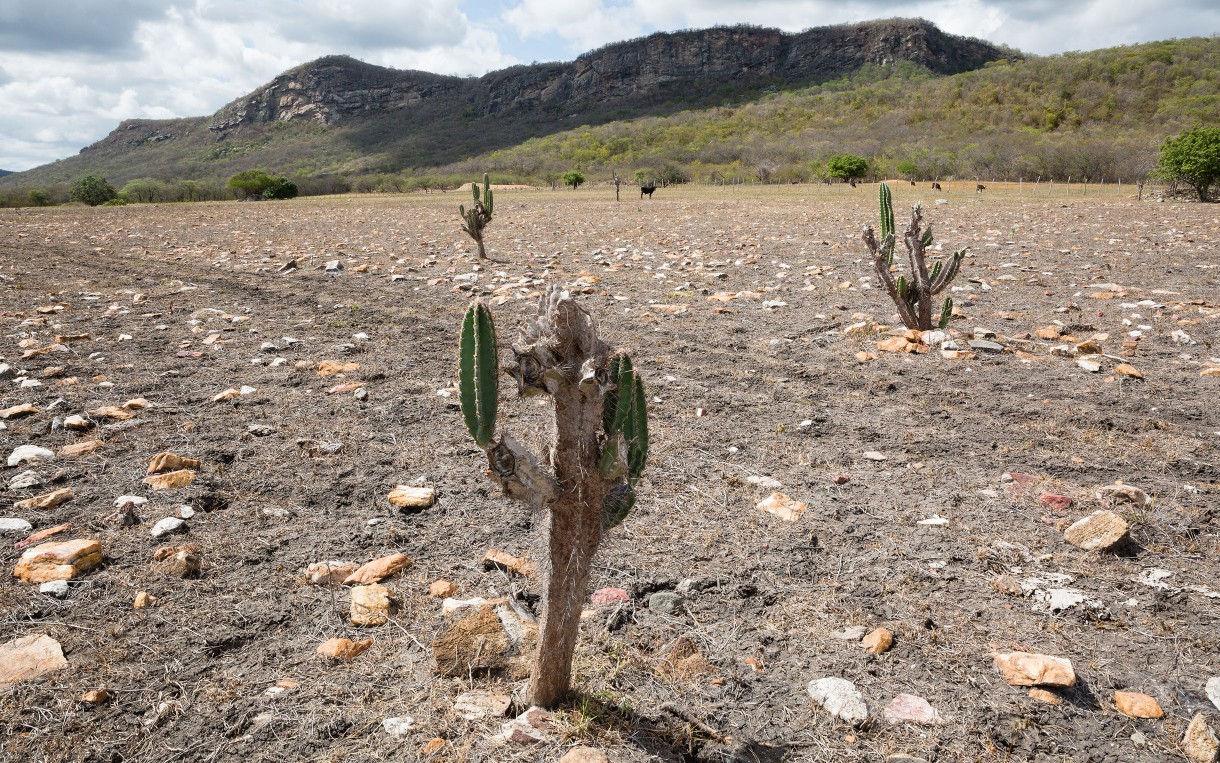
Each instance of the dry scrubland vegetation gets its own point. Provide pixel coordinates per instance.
(927, 493)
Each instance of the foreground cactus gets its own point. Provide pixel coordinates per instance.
(479, 214)
(585, 482)
(913, 297)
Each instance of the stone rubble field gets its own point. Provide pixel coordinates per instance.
(241, 518)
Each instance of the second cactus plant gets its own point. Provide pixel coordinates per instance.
(479, 214)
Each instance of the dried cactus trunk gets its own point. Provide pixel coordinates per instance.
(585, 482)
(479, 214)
(913, 298)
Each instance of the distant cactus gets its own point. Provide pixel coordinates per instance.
(914, 297)
(479, 214)
(585, 482)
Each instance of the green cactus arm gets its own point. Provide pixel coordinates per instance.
(610, 465)
(474, 191)
(618, 504)
(478, 372)
(946, 312)
(624, 400)
(936, 267)
(926, 238)
(949, 272)
(637, 446)
(610, 398)
(887, 210)
(488, 204)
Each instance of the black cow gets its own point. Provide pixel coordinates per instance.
(979, 188)
(936, 186)
(647, 189)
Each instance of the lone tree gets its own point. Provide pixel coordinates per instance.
(574, 178)
(92, 190)
(847, 167)
(584, 482)
(256, 184)
(1193, 158)
(479, 214)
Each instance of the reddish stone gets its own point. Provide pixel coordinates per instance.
(606, 596)
(1055, 501)
(1021, 482)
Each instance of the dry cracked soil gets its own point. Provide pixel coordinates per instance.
(756, 321)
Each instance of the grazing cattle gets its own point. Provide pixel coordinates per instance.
(912, 183)
(979, 188)
(853, 182)
(647, 189)
(936, 187)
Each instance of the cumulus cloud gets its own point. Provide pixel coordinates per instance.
(77, 26)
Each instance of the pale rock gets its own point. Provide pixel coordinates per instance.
(14, 526)
(1199, 744)
(473, 705)
(985, 345)
(935, 520)
(56, 588)
(1126, 369)
(18, 411)
(909, 708)
(1100, 531)
(376, 570)
(850, 633)
(370, 605)
(1090, 363)
(112, 412)
(96, 697)
(531, 727)
(343, 649)
(27, 479)
(1213, 691)
(1029, 669)
(873, 455)
(768, 483)
(840, 698)
(407, 497)
(136, 500)
(449, 606)
(168, 526)
(29, 657)
(1063, 351)
(1045, 695)
(1120, 493)
(29, 454)
(143, 600)
(46, 500)
(1135, 705)
(782, 506)
(329, 573)
(584, 755)
(62, 560)
(398, 727)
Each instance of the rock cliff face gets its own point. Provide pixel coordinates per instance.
(632, 75)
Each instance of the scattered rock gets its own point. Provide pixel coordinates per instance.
(494, 559)
(96, 697)
(442, 589)
(143, 600)
(406, 497)
(1126, 369)
(1213, 691)
(112, 412)
(332, 367)
(449, 606)
(168, 462)
(473, 705)
(604, 597)
(56, 588)
(343, 648)
(168, 526)
(768, 483)
(1120, 493)
(850, 633)
(1135, 705)
(1090, 363)
(27, 479)
(879, 641)
(584, 755)
(873, 455)
(170, 480)
(18, 411)
(1045, 695)
(1007, 584)
(62, 560)
(398, 727)
(29, 454)
(1055, 501)
(840, 698)
(1100, 531)
(491, 638)
(1029, 669)
(45, 501)
(531, 727)
(370, 605)
(77, 423)
(781, 506)
(665, 602)
(908, 708)
(178, 561)
(81, 448)
(14, 526)
(985, 345)
(1199, 744)
(376, 570)
(29, 657)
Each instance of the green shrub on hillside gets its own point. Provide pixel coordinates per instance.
(92, 190)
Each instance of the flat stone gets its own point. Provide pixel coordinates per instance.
(840, 698)
(27, 479)
(376, 570)
(985, 345)
(56, 588)
(81, 448)
(29, 454)
(850, 633)
(61, 560)
(1100, 531)
(584, 755)
(370, 605)
(29, 657)
(407, 497)
(96, 697)
(343, 649)
(878, 641)
(14, 526)
(531, 727)
(77, 423)
(604, 597)
(908, 708)
(473, 705)
(1199, 744)
(18, 411)
(1090, 363)
(782, 506)
(1055, 501)
(1120, 493)
(450, 605)
(1126, 369)
(46, 500)
(507, 562)
(873, 455)
(143, 600)
(178, 561)
(1030, 669)
(168, 526)
(398, 727)
(112, 412)
(1135, 705)
(665, 602)
(1213, 691)
(442, 589)
(170, 480)
(168, 462)
(1045, 695)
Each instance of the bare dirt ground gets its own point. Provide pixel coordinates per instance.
(736, 307)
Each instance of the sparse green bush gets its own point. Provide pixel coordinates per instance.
(574, 178)
(847, 167)
(1193, 158)
(39, 197)
(92, 190)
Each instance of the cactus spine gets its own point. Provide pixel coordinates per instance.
(912, 296)
(586, 482)
(479, 214)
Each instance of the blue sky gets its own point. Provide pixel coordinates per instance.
(71, 70)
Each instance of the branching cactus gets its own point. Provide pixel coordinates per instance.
(912, 295)
(479, 214)
(585, 483)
